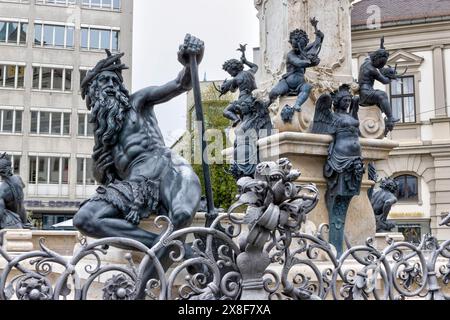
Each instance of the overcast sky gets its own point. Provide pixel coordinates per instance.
(160, 27)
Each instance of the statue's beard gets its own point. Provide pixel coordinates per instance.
(6, 172)
(108, 115)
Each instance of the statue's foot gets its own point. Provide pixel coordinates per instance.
(390, 226)
(393, 120)
(298, 108)
(390, 124)
(287, 114)
(27, 226)
(385, 226)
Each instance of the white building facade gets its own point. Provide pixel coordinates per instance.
(417, 35)
(46, 48)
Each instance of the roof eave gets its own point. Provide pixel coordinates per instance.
(403, 23)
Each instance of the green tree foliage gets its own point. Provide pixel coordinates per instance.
(223, 184)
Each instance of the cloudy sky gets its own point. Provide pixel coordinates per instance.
(160, 27)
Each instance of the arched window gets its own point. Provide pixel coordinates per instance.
(408, 188)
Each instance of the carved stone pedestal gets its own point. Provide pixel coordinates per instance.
(371, 118)
(301, 121)
(308, 153)
(17, 242)
(372, 122)
(380, 239)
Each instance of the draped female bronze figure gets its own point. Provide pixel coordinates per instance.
(344, 168)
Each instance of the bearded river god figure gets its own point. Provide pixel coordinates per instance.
(12, 209)
(344, 168)
(138, 174)
(301, 57)
(373, 69)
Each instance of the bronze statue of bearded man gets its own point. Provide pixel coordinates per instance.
(138, 174)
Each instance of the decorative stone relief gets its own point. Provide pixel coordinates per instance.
(372, 123)
(277, 19)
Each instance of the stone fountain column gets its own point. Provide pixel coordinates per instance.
(308, 152)
(277, 19)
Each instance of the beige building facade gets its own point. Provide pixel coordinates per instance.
(46, 48)
(417, 35)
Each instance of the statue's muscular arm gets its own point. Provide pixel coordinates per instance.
(317, 42)
(253, 67)
(376, 74)
(3, 195)
(388, 205)
(298, 62)
(2, 208)
(230, 85)
(159, 94)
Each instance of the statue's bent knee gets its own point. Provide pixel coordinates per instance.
(307, 87)
(84, 221)
(182, 218)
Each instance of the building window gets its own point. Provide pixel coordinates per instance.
(408, 188)
(16, 1)
(56, 2)
(411, 232)
(58, 36)
(12, 76)
(49, 221)
(403, 99)
(49, 170)
(51, 123)
(15, 160)
(52, 78)
(99, 39)
(85, 128)
(102, 4)
(83, 73)
(10, 121)
(85, 175)
(13, 32)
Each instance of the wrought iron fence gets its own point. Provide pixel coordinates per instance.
(400, 271)
(260, 255)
